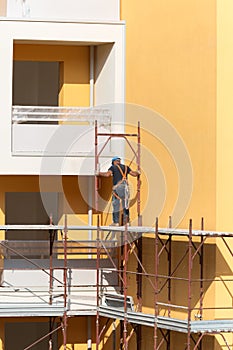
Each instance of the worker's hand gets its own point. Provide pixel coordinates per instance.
(97, 173)
(139, 172)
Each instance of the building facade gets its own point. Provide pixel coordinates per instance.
(65, 66)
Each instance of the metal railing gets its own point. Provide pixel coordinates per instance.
(11, 249)
(47, 114)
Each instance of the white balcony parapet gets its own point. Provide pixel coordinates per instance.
(57, 131)
(27, 114)
(62, 10)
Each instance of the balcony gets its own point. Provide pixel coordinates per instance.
(88, 70)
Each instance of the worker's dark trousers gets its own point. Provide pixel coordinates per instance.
(120, 198)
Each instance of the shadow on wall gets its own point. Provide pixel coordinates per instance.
(179, 271)
(111, 339)
(180, 341)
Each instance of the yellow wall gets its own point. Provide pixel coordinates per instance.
(77, 333)
(224, 151)
(179, 66)
(74, 201)
(76, 330)
(15, 184)
(224, 115)
(171, 69)
(74, 70)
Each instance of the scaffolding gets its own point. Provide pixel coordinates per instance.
(55, 301)
(192, 320)
(132, 243)
(136, 151)
(173, 268)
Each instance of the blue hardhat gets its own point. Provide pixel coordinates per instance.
(115, 158)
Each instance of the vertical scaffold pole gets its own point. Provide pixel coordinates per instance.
(65, 286)
(50, 279)
(96, 168)
(201, 271)
(169, 266)
(169, 280)
(139, 243)
(51, 238)
(125, 287)
(189, 284)
(97, 283)
(122, 286)
(201, 276)
(138, 178)
(156, 267)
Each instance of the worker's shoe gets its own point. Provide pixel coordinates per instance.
(114, 224)
(126, 221)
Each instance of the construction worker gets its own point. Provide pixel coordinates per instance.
(120, 193)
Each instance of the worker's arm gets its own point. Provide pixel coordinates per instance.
(134, 173)
(105, 173)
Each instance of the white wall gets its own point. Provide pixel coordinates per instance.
(54, 140)
(30, 288)
(103, 10)
(110, 88)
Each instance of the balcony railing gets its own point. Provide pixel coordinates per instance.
(41, 249)
(32, 114)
